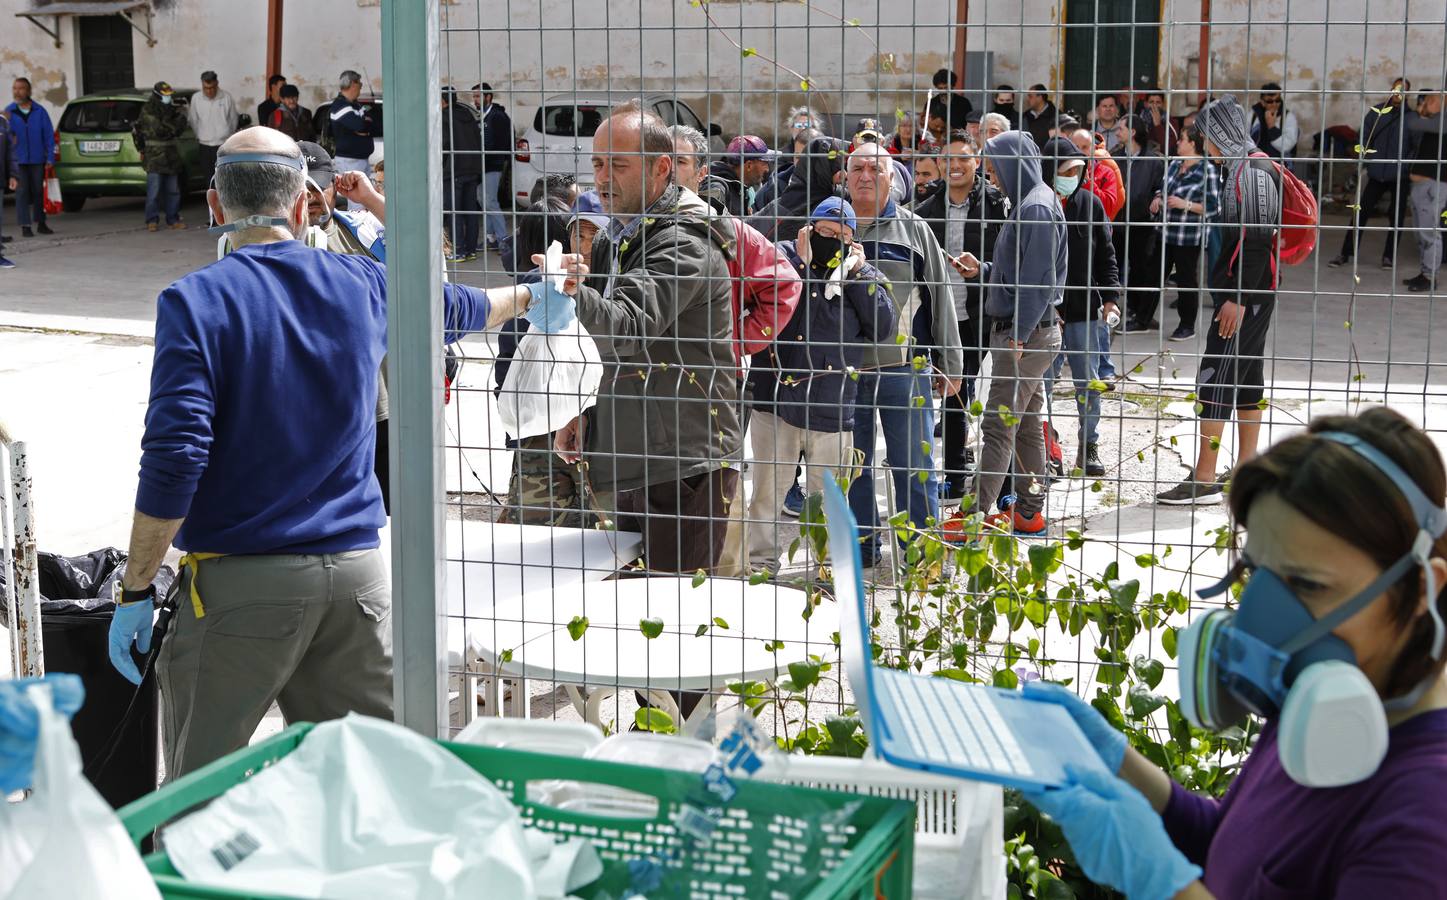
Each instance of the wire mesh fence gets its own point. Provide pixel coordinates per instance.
(1056, 307)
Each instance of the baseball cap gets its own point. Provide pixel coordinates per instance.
(868, 132)
(836, 208)
(163, 88)
(750, 146)
(319, 166)
(208, 75)
(589, 208)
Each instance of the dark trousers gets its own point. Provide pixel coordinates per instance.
(207, 158)
(30, 195)
(1372, 193)
(463, 214)
(1185, 261)
(382, 465)
(683, 522)
(1138, 253)
(955, 412)
(163, 192)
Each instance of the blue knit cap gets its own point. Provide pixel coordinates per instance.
(836, 208)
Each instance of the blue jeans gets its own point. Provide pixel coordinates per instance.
(491, 205)
(908, 439)
(163, 189)
(1104, 364)
(459, 199)
(1079, 346)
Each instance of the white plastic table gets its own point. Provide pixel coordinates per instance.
(527, 637)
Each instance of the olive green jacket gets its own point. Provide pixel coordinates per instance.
(159, 131)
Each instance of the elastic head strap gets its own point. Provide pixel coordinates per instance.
(276, 159)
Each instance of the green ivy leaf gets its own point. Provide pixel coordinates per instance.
(718, 620)
(804, 674)
(977, 409)
(749, 51)
(651, 628)
(1148, 670)
(651, 718)
(1044, 559)
(1124, 593)
(1143, 702)
(701, 631)
(577, 627)
(699, 578)
(1006, 678)
(505, 657)
(1168, 642)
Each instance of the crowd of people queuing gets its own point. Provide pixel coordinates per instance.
(903, 265)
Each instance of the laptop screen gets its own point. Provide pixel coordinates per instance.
(854, 645)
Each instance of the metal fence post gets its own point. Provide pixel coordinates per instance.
(30, 653)
(412, 117)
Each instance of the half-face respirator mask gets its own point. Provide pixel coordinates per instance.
(259, 221)
(1270, 656)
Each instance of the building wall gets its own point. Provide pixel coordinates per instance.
(532, 49)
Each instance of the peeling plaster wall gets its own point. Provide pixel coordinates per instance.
(1329, 71)
(667, 45)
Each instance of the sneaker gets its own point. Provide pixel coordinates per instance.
(1029, 526)
(26, 232)
(177, 226)
(1388, 263)
(1341, 259)
(1054, 455)
(1418, 284)
(1191, 493)
(1090, 461)
(453, 257)
(971, 467)
(1183, 334)
(1131, 326)
(954, 489)
(43, 228)
(152, 226)
(6, 264)
(793, 502)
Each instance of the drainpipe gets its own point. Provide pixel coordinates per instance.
(962, 17)
(273, 40)
(1203, 62)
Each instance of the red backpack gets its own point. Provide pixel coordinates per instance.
(1300, 217)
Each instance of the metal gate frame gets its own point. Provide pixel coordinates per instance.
(18, 559)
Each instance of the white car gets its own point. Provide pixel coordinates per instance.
(560, 136)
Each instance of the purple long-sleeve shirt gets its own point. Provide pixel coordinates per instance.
(1270, 838)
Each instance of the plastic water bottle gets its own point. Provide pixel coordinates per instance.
(1112, 320)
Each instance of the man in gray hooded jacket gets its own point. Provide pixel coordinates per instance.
(1026, 276)
(1243, 287)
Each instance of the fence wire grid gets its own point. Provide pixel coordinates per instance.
(676, 566)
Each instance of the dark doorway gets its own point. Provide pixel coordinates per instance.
(106, 62)
(1109, 45)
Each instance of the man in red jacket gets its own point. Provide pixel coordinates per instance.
(765, 292)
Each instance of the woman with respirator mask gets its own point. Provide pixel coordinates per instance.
(1336, 640)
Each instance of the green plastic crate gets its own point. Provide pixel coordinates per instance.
(774, 841)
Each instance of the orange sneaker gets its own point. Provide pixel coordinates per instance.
(1029, 526)
(958, 529)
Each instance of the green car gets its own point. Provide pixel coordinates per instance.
(98, 157)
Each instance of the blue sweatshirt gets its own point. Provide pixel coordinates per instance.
(1027, 271)
(262, 419)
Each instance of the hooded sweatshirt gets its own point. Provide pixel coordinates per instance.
(1093, 277)
(1027, 274)
(1250, 208)
(811, 182)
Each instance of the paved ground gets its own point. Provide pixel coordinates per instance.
(77, 314)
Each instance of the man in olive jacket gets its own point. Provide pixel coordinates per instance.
(665, 434)
(158, 133)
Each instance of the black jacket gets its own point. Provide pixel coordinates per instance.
(1144, 176)
(803, 376)
(461, 144)
(724, 189)
(497, 138)
(988, 210)
(811, 181)
(1092, 276)
(1039, 124)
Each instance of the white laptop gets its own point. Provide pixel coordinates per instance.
(938, 724)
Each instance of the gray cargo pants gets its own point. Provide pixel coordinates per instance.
(1428, 200)
(311, 633)
(1017, 386)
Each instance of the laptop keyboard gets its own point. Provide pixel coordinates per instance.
(954, 723)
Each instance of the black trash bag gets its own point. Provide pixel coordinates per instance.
(89, 583)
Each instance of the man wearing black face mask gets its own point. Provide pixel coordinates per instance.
(802, 397)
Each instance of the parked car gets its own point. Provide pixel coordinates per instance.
(560, 136)
(96, 155)
(321, 118)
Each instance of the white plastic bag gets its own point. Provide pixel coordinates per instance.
(551, 381)
(64, 842)
(364, 808)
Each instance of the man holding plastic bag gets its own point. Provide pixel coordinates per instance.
(659, 308)
(258, 462)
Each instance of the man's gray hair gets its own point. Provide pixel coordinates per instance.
(654, 135)
(994, 120)
(350, 78)
(259, 189)
(816, 121)
(694, 138)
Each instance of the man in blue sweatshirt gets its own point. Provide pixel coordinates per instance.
(1027, 277)
(257, 462)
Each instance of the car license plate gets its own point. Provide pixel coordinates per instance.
(100, 146)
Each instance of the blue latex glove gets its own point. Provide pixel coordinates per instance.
(131, 625)
(1108, 742)
(551, 309)
(20, 724)
(1117, 838)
